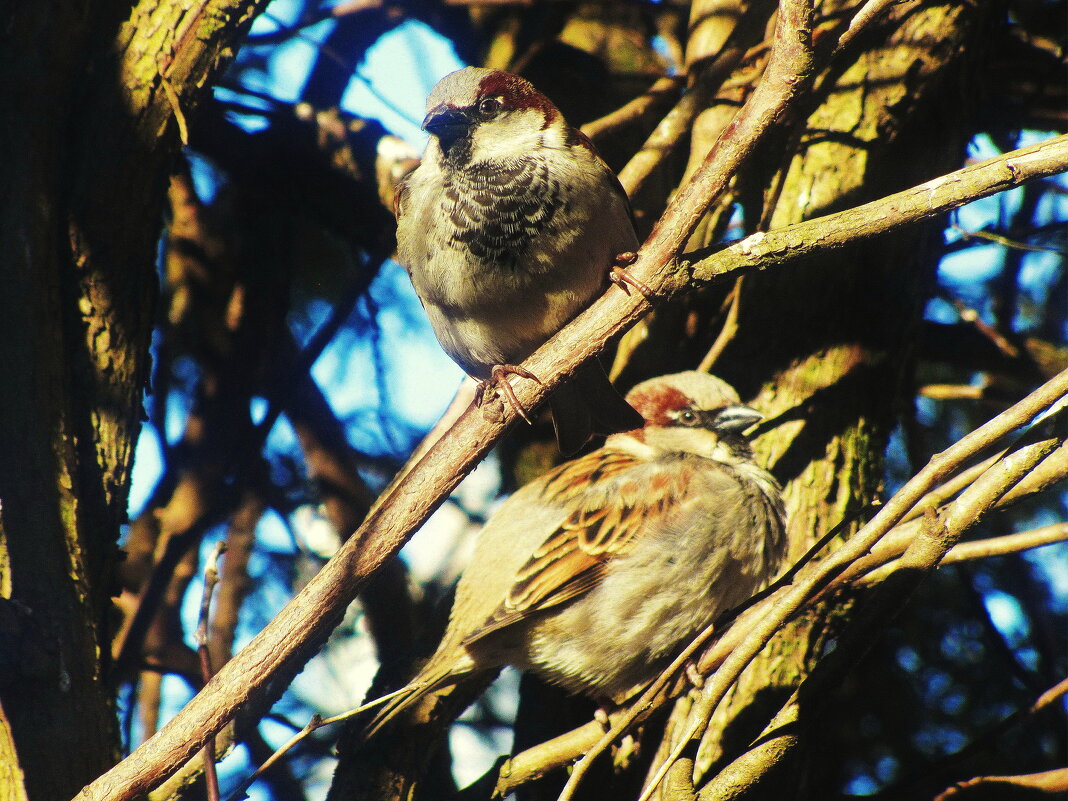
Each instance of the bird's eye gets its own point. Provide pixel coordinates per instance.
(688, 417)
(489, 106)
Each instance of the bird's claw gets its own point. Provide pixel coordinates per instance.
(696, 679)
(499, 378)
(601, 716)
(623, 279)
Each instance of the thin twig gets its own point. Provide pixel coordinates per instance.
(316, 722)
(211, 578)
(983, 549)
(1007, 544)
(867, 14)
(728, 330)
(873, 566)
(242, 789)
(1004, 241)
(947, 489)
(973, 318)
(650, 100)
(944, 392)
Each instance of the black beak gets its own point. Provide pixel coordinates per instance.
(447, 124)
(735, 419)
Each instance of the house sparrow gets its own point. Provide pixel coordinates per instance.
(598, 573)
(508, 228)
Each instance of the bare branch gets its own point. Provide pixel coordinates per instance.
(637, 109)
(887, 214)
(880, 562)
(991, 546)
(211, 578)
(868, 13)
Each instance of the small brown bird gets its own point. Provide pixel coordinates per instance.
(510, 226)
(598, 573)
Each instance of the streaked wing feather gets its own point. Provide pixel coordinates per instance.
(605, 523)
(503, 618)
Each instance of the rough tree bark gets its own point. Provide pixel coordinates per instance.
(94, 98)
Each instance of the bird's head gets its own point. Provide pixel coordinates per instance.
(691, 412)
(480, 115)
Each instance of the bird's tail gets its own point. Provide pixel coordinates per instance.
(588, 404)
(394, 703)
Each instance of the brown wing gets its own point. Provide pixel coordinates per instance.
(607, 520)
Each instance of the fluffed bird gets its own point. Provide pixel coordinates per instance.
(598, 573)
(510, 226)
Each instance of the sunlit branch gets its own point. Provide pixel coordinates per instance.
(887, 214)
(876, 565)
(868, 13)
(315, 723)
(984, 549)
(637, 109)
(1007, 544)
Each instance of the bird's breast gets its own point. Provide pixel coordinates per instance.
(499, 211)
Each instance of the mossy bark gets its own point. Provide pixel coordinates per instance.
(92, 97)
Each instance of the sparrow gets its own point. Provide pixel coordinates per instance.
(598, 573)
(510, 226)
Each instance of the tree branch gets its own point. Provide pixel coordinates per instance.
(930, 199)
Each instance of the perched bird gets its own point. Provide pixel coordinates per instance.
(510, 226)
(598, 573)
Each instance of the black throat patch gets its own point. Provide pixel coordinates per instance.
(498, 209)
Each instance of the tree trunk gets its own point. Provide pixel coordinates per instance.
(91, 98)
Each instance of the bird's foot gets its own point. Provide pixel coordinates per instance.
(696, 679)
(623, 279)
(600, 714)
(499, 378)
(626, 751)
